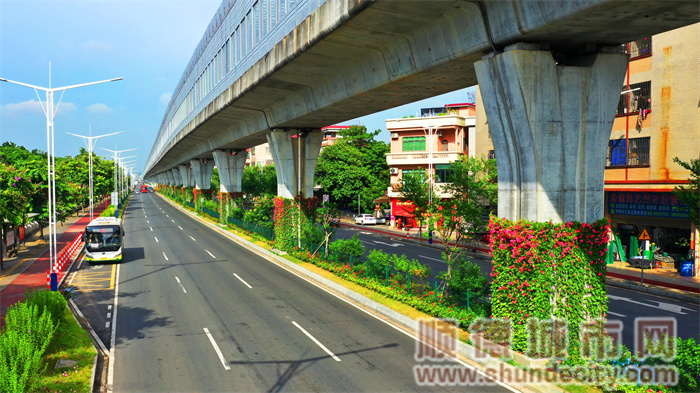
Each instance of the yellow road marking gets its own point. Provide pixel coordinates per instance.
(114, 275)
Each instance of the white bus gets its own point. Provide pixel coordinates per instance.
(104, 239)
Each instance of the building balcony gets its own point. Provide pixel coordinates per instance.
(422, 157)
(438, 188)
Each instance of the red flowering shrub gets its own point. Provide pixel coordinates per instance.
(545, 269)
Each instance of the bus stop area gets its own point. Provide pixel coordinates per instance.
(27, 268)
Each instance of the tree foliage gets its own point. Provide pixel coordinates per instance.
(690, 194)
(24, 184)
(354, 166)
(259, 180)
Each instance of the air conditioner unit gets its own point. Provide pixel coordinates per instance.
(439, 133)
(394, 135)
(394, 171)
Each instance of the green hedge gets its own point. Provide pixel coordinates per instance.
(29, 329)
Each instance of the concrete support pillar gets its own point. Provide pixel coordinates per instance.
(201, 173)
(550, 125)
(185, 175)
(230, 169)
(295, 160)
(175, 178)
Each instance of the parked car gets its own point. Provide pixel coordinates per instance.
(364, 219)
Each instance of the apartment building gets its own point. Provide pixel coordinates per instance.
(658, 119)
(427, 143)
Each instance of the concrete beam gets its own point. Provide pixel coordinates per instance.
(550, 125)
(230, 169)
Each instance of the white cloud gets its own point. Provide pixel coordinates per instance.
(33, 107)
(165, 98)
(99, 108)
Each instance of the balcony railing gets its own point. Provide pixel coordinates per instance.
(440, 157)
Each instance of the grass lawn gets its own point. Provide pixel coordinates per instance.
(73, 343)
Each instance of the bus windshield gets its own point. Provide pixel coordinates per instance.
(103, 238)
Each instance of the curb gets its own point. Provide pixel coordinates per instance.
(407, 324)
(633, 286)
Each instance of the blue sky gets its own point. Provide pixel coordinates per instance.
(148, 43)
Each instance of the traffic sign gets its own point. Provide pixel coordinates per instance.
(644, 235)
(325, 197)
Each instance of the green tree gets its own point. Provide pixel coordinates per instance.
(473, 186)
(354, 166)
(690, 194)
(414, 187)
(259, 180)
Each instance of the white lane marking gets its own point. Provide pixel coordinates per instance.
(341, 298)
(167, 216)
(216, 348)
(107, 325)
(156, 240)
(113, 339)
(193, 239)
(109, 307)
(210, 254)
(181, 286)
(148, 222)
(179, 227)
(434, 259)
(337, 359)
(616, 314)
(151, 228)
(388, 244)
(246, 284)
(625, 299)
(669, 307)
(166, 257)
(109, 315)
(172, 220)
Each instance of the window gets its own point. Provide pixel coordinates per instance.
(636, 98)
(638, 151)
(628, 152)
(638, 48)
(445, 145)
(414, 143)
(617, 152)
(420, 172)
(443, 173)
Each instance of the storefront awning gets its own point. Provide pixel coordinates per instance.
(383, 199)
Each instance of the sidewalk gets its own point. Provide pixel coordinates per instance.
(662, 282)
(28, 268)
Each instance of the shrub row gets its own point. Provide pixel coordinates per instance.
(29, 328)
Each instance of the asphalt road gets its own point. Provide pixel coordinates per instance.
(197, 312)
(623, 305)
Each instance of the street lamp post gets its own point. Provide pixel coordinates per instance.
(116, 180)
(50, 113)
(90, 142)
(122, 173)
